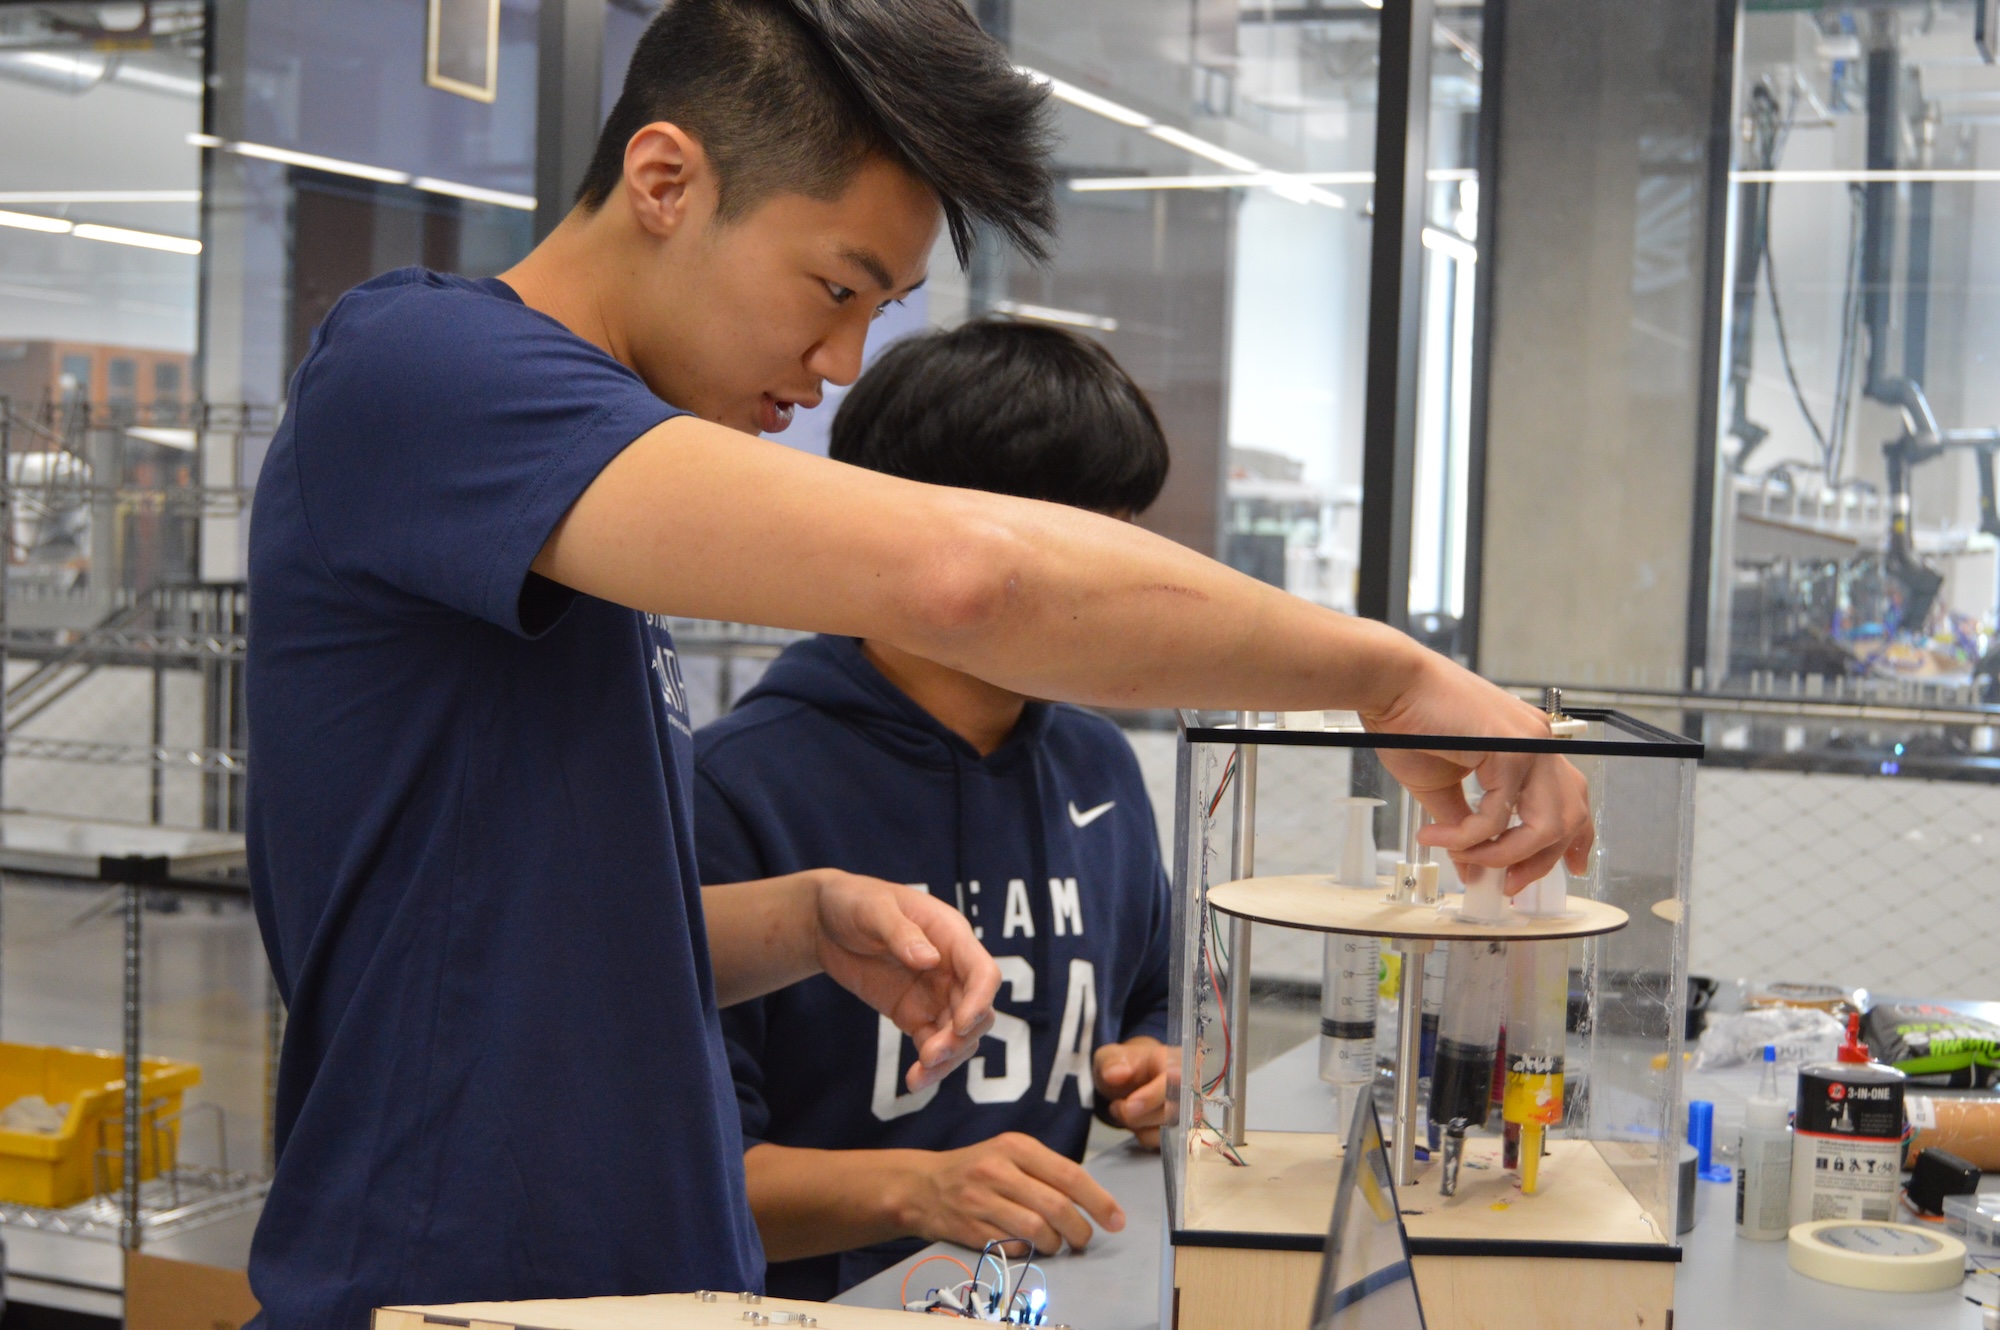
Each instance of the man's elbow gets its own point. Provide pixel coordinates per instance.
(971, 586)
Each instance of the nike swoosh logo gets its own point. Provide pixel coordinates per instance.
(1089, 815)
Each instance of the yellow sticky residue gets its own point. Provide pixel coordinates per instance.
(1500, 1205)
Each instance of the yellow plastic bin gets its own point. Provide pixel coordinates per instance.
(87, 1155)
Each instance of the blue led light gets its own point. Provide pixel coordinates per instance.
(1891, 768)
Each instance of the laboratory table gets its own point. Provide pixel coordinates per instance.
(1723, 1282)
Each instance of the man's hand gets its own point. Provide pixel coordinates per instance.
(1131, 1081)
(1549, 796)
(912, 958)
(1012, 1186)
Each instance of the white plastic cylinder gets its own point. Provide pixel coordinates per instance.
(1357, 851)
(1485, 894)
(1546, 898)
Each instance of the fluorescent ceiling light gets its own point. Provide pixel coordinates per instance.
(86, 72)
(1299, 188)
(182, 439)
(27, 221)
(314, 162)
(1932, 175)
(49, 294)
(100, 196)
(1069, 318)
(157, 80)
(524, 202)
(1101, 184)
(1187, 142)
(1085, 100)
(119, 235)
(1451, 246)
(363, 171)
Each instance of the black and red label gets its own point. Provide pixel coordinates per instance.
(1858, 1102)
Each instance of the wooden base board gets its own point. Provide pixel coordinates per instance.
(1288, 1185)
(660, 1311)
(1222, 1288)
(1316, 902)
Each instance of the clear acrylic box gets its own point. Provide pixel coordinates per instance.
(1262, 843)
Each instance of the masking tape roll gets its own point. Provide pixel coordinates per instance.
(1872, 1254)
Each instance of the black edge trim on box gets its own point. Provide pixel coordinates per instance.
(1567, 1251)
(1192, 1237)
(1305, 1242)
(1650, 741)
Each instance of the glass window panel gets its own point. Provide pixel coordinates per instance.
(1858, 374)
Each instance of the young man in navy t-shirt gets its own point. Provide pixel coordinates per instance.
(1028, 817)
(470, 836)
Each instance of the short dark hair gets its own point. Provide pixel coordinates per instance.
(791, 96)
(1012, 408)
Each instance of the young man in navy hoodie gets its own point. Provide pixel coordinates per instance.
(1030, 818)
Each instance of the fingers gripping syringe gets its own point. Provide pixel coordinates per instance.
(1350, 977)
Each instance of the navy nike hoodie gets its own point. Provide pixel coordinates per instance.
(1047, 846)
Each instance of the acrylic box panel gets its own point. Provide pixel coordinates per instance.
(1253, 1157)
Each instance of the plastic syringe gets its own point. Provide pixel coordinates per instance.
(1475, 987)
(1537, 1003)
(1350, 978)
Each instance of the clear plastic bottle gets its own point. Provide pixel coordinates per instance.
(1764, 1160)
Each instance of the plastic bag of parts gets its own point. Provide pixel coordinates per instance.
(1800, 1035)
(1934, 1046)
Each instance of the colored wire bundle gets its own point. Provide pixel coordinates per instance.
(1004, 1300)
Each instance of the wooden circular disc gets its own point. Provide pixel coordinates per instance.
(1316, 902)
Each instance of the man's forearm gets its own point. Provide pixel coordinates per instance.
(812, 1202)
(1047, 600)
(760, 935)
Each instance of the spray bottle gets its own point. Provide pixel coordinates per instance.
(1764, 1160)
(1350, 977)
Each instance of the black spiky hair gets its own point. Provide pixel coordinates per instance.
(791, 96)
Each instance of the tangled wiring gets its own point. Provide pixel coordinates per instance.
(1003, 1299)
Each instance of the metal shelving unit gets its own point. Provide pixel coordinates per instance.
(105, 515)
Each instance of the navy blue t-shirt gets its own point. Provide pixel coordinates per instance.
(1048, 846)
(470, 839)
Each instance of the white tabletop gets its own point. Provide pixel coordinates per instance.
(1722, 1282)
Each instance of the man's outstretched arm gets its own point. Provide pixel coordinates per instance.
(698, 520)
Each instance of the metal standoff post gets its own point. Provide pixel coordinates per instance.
(1243, 864)
(1409, 1056)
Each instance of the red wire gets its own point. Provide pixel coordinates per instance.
(1228, 768)
(903, 1297)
